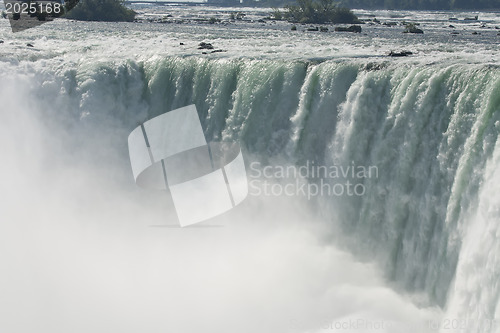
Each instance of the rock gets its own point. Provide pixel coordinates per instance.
(476, 33)
(294, 28)
(1, 41)
(451, 26)
(313, 29)
(412, 29)
(452, 19)
(371, 66)
(352, 28)
(205, 46)
(355, 28)
(181, 43)
(213, 20)
(30, 45)
(400, 54)
(214, 51)
(471, 18)
(323, 29)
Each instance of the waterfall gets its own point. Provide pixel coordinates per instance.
(430, 218)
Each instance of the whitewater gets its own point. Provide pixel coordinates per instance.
(83, 249)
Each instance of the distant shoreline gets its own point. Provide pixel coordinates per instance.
(243, 5)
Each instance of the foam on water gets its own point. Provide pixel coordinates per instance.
(251, 39)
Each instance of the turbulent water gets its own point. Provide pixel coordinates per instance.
(79, 250)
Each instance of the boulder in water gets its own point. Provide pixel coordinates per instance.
(471, 18)
(412, 29)
(400, 54)
(205, 46)
(352, 28)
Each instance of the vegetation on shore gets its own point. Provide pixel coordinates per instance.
(424, 4)
(316, 11)
(99, 10)
(399, 4)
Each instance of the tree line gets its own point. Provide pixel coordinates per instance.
(423, 4)
(321, 11)
(402, 4)
(98, 10)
